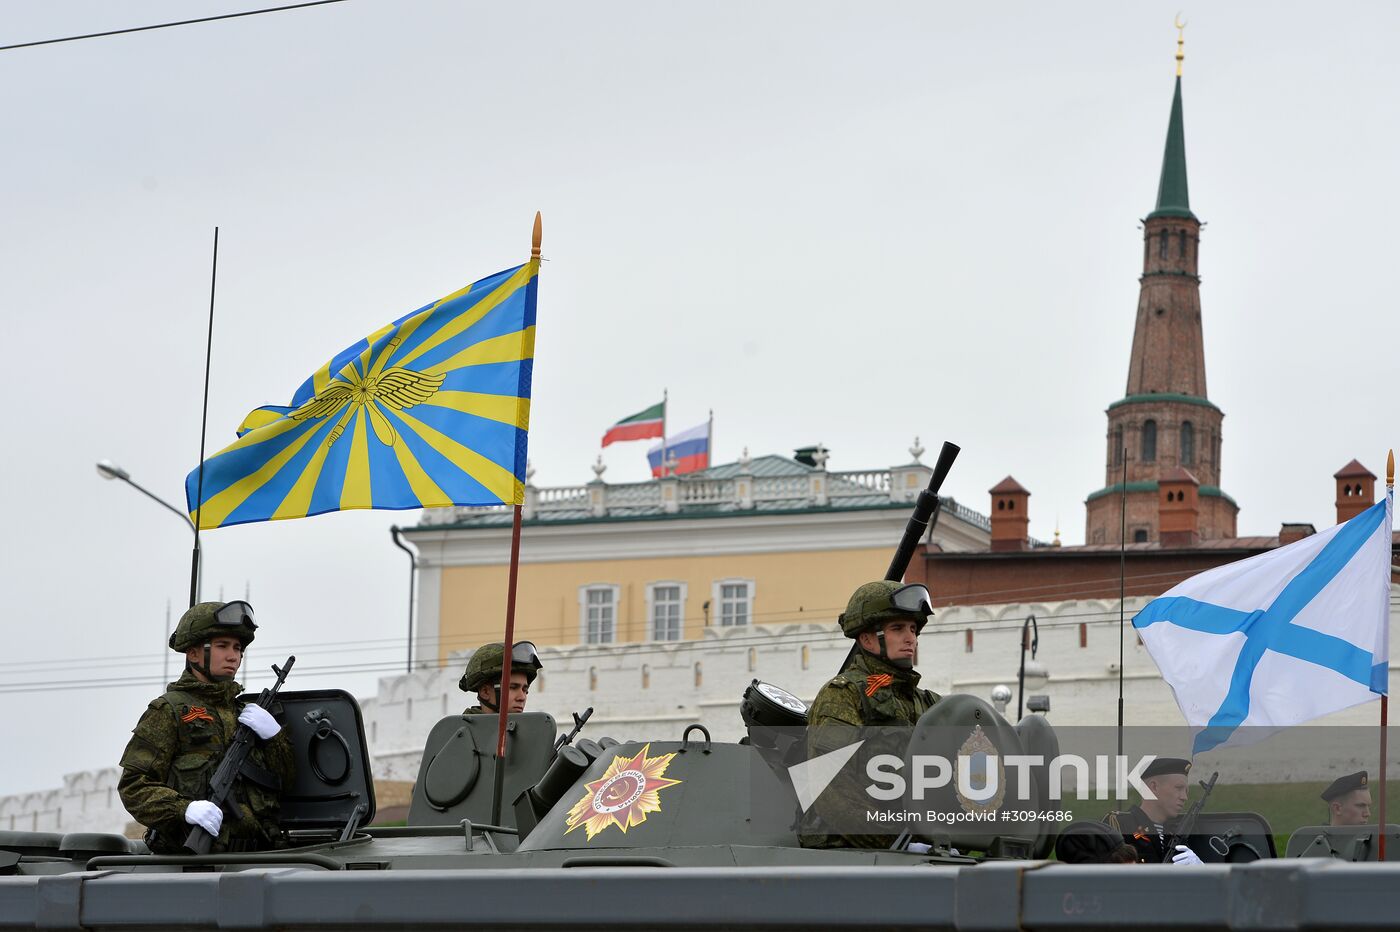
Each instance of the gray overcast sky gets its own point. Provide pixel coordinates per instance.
(850, 223)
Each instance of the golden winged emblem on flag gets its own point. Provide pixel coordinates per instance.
(396, 388)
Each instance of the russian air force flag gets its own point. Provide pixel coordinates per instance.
(1280, 638)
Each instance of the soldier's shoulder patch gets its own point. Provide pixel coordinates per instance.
(839, 681)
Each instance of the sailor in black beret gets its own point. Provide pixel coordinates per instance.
(1348, 800)
(1144, 826)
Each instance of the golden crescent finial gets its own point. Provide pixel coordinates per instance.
(1180, 41)
(535, 236)
(1390, 470)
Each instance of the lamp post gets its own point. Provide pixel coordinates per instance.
(110, 470)
(1034, 671)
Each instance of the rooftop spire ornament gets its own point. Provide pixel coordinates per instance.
(1180, 42)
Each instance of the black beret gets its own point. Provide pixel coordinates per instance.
(1087, 843)
(1344, 785)
(1166, 765)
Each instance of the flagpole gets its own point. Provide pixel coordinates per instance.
(1385, 696)
(203, 428)
(1122, 593)
(665, 394)
(710, 441)
(503, 698)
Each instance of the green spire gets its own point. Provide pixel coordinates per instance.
(1172, 197)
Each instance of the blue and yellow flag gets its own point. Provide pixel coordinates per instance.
(432, 410)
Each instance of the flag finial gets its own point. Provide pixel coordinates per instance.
(1180, 42)
(1390, 470)
(536, 235)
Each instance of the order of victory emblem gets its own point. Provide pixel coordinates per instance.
(627, 791)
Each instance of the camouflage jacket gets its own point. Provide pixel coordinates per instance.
(476, 710)
(867, 691)
(173, 752)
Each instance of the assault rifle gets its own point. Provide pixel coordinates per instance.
(1187, 822)
(221, 784)
(569, 738)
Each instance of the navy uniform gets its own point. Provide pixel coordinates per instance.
(1147, 836)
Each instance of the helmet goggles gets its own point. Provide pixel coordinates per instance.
(912, 599)
(524, 654)
(235, 615)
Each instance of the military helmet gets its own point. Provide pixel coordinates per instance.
(486, 664)
(885, 600)
(213, 619)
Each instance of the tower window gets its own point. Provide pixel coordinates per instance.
(1149, 441)
(1118, 446)
(1188, 444)
(1140, 536)
(1162, 245)
(1183, 244)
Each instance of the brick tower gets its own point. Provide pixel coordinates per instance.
(1164, 420)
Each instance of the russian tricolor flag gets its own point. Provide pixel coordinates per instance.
(689, 450)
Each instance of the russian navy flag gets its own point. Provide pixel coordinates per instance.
(1281, 638)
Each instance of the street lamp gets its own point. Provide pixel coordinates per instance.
(1032, 674)
(110, 470)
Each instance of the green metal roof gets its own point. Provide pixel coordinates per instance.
(1163, 396)
(1150, 485)
(1173, 200)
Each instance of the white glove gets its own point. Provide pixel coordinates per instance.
(918, 847)
(206, 815)
(1185, 855)
(260, 720)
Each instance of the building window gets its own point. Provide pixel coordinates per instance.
(1083, 634)
(1162, 245)
(967, 641)
(1140, 536)
(598, 614)
(1188, 444)
(1149, 441)
(1118, 446)
(666, 604)
(1182, 234)
(735, 600)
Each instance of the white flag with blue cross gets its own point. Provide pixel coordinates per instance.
(1280, 638)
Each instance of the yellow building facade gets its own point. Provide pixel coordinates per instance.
(763, 541)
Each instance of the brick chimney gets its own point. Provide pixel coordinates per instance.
(1010, 520)
(1291, 532)
(1356, 490)
(1178, 508)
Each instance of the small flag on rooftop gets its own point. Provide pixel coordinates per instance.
(650, 422)
(687, 451)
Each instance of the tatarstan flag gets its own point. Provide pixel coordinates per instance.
(640, 426)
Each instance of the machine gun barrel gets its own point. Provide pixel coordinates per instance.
(1187, 823)
(925, 513)
(221, 784)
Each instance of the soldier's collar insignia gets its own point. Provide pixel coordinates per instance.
(876, 682)
(627, 791)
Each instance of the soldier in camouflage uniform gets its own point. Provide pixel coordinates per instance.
(878, 685)
(483, 676)
(181, 738)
